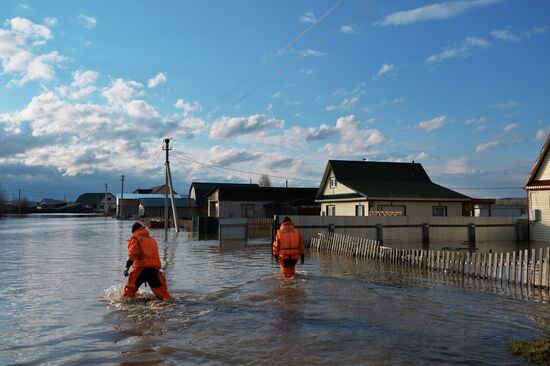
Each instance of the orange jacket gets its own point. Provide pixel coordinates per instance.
(143, 250)
(288, 241)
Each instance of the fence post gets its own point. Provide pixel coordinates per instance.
(379, 236)
(425, 235)
(330, 228)
(471, 236)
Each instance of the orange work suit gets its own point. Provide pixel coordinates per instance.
(288, 247)
(143, 252)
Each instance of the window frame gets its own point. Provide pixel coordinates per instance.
(247, 206)
(362, 210)
(331, 208)
(333, 182)
(439, 207)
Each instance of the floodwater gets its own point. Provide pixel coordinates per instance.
(60, 304)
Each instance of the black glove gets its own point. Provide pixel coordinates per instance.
(126, 272)
(302, 259)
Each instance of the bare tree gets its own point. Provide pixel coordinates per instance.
(264, 181)
(3, 200)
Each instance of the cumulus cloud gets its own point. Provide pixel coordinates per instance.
(432, 124)
(227, 127)
(354, 141)
(462, 50)
(50, 22)
(440, 11)
(458, 166)
(323, 132)
(121, 91)
(158, 79)
(87, 21)
(81, 85)
(384, 69)
(487, 145)
(187, 107)
(308, 17)
(18, 42)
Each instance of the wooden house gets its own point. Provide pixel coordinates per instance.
(199, 190)
(538, 196)
(366, 188)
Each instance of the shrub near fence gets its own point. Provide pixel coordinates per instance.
(521, 268)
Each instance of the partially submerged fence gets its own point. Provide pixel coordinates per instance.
(419, 230)
(525, 268)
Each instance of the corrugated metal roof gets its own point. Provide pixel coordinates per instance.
(159, 202)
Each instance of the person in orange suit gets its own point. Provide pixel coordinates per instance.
(288, 247)
(143, 257)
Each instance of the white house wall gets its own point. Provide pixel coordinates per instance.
(339, 189)
(544, 169)
(540, 230)
(413, 208)
(345, 208)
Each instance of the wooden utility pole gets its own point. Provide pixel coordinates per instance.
(169, 185)
(121, 204)
(105, 201)
(19, 203)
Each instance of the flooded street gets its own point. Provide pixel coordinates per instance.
(60, 303)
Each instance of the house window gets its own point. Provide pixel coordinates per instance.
(214, 209)
(331, 210)
(332, 182)
(439, 211)
(359, 210)
(398, 209)
(101, 207)
(108, 198)
(247, 210)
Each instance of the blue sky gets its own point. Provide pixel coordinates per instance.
(88, 90)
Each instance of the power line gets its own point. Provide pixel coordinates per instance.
(246, 172)
(299, 57)
(258, 70)
(486, 188)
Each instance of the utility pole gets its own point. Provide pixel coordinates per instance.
(120, 215)
(169, 185)
(287, 183)
(19, 203)
(105, 201)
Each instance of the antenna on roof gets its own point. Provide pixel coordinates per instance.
(365, 159)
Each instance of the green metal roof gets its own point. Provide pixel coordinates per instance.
(376, 180)
(90, 199)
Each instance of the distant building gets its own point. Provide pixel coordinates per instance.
(131, 203)
(50, 204)
(365, 188)
(198, 191)
(538, 195)
(160, 189)
(154, 207)
(510, 207)
(242, 201)
(96, 202)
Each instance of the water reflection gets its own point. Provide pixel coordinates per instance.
(62, 304)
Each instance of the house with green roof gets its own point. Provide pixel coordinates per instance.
(96, 202)
(366, 188)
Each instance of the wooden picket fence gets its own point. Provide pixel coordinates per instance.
(522, 268)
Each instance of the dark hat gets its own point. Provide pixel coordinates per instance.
(287, 219)
(136, 226)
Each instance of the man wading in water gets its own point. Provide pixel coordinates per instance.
(288, 247)
(143, 257)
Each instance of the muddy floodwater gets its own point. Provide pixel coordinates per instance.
(60, 304)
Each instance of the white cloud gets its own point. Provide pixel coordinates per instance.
(345, 105)
(462, 50)
(384, 69)
(50, 22)
(507, 35)
(432, 124)
(458, 166)
(121, 91)
(269, 107)
(308, 17)
(354, 141)
(542, 133)
(348, 29)
(509, 127)
(312, 53)
(323, 132)
(17, 44)
(187, 107)
(276, 95)
(306, 72)
(487, 145)
(81, 86)
(192, 127)
(158, 79)
(87, 21)
(475, 121)
(227, 127)
(512, 104)
(440, 11)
